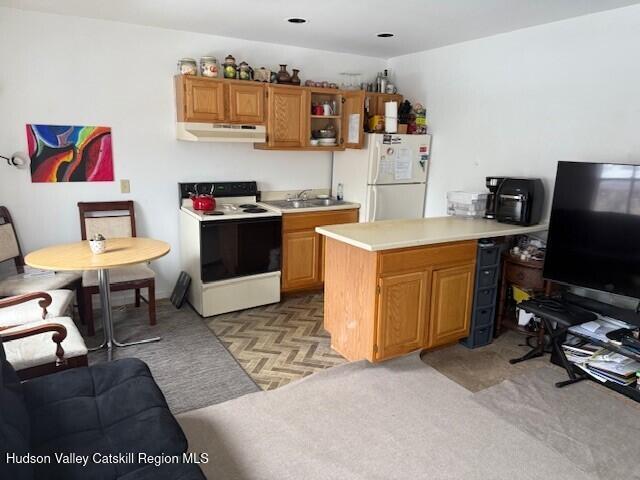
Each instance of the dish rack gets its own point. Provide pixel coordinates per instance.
(467, 204)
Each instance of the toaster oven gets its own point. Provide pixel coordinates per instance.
(520, 201)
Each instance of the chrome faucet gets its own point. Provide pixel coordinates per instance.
(303, 194)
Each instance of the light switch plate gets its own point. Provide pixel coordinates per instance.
(125, 186)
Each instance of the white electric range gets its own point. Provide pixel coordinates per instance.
(233, 253)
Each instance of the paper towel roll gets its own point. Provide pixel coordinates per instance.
(391, 117)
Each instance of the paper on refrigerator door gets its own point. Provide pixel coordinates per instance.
(403, 167)
(387, 165)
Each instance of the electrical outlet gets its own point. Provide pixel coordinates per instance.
(125, 186)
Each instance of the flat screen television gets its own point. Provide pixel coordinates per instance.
(594, 230)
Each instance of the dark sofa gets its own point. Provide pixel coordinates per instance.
(108, 409)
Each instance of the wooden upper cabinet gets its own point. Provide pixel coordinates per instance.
(375, 102)
(200, 99)
(353, 104)
(246, 102)
(402, 311)
(214, 100)
(451, 301)
(288, 113)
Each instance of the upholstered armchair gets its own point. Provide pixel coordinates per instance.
(17, 283)
(39, 344)
(113, 409)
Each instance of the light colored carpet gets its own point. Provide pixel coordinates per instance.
(480, 368)
(191, 366)
(590, 424)
(397, 420)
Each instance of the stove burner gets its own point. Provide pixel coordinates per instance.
(254, 210)
(248, 205)
(213, 212)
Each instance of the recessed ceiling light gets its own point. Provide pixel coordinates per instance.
(296, 20)
(385, 35)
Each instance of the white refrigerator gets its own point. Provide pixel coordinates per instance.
(388, 178)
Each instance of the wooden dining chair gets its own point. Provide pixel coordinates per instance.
(114, 220)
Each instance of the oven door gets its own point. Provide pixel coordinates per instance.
(511, 208)
(236, 248)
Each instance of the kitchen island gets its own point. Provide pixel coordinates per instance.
(395, 286)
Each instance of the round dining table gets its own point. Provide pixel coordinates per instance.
(119, 252)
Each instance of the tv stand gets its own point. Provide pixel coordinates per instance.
(558, 315)
(629, 316)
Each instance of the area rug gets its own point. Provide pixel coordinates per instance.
(397, 420)
(591, 425)
(480, 368)
(277, 344)
(191, 366)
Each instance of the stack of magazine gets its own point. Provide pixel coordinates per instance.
(602, 364)
(579, 352)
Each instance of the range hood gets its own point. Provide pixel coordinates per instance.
(221, 132)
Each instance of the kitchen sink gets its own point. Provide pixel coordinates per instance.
(326, 202)
(315, 202)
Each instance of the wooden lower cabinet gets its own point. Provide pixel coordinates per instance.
(451, 303)
(379, 305)
(303, 248)
(302, 260)
(402, 309)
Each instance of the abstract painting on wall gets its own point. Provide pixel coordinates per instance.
(70, 154)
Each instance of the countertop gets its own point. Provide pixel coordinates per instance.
(341, 206)
(390, 234)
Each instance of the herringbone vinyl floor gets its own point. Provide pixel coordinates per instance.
(279, 343)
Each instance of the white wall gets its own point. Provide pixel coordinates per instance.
(517, 103)
(67, 70)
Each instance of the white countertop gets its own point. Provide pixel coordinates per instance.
(390, 234)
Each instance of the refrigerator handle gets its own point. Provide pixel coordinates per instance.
(374, 190)
(376, 163)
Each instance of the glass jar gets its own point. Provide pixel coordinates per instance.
(187, 66)
(208, 67)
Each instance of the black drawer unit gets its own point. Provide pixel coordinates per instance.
(485, 294)
(487, 277)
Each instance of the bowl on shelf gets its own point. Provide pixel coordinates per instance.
(324, 133)
(313, 142)
(327, 141)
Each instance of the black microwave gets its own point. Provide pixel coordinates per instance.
(520, 201)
